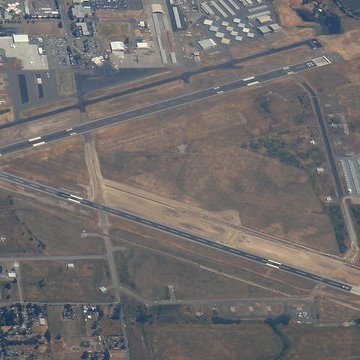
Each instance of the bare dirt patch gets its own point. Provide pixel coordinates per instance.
(41, 28)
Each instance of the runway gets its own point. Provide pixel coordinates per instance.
(171, 103)
(83, 102)
(173, 231)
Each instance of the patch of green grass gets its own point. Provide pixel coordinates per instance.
(339, 226)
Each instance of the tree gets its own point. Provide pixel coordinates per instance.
(41, 283)
(85, 355)
(47, 336)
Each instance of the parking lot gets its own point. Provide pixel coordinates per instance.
(116, 4)
(30, 96)
(56, 52)
(234, 22)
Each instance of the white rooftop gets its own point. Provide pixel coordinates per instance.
(117, 46)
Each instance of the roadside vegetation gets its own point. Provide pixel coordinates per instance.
(339, 227)
(275, 323)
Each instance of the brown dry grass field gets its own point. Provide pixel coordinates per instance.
(17, 234)
(109, 15)
(323, 343)
(60, 164)
(252, 278)
(111, 89)
(250, 68)
(41, 28)
(203, 155)
(339, 86)
(116, 30)
(191, 282)
(212, 342)
(52, 281)
(247, 341)
(66, 328)
(40, 127)
(331, 312)
(46, 108)
(139, 99)
(59, 230)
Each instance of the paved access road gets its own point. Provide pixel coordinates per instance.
(173, 231)
(161, 106)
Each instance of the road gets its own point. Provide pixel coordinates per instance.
(311, 43)
(330, 154)
(353, 253)
(68, 258)
(168, 104)
(173, 231)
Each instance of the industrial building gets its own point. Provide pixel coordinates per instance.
(351, 170)
(206, 8)
(264, 29)
(207, 44)
(142, 45)
(275, 27)
(157, 9)
(117, 47)
(20, 38)
(84, 28)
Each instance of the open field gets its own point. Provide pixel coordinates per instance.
(53, 165)
(66, 328)
(339, 86)
(202, 155)
(46, 125)
(46, 108)
(58, 232)
(42, 280)
(245, 342)
(119, 29)
(322, 343)
(9, 288)
(250, 68)
(149, 273)
(249, 341)
(17, 235)
(139, 99)
(41, 28)
(331, 312)
(248, 275)
(66, 83)
(111, 89)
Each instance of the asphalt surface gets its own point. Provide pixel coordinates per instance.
(311, 43)
(156, 107)
(170, 230)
